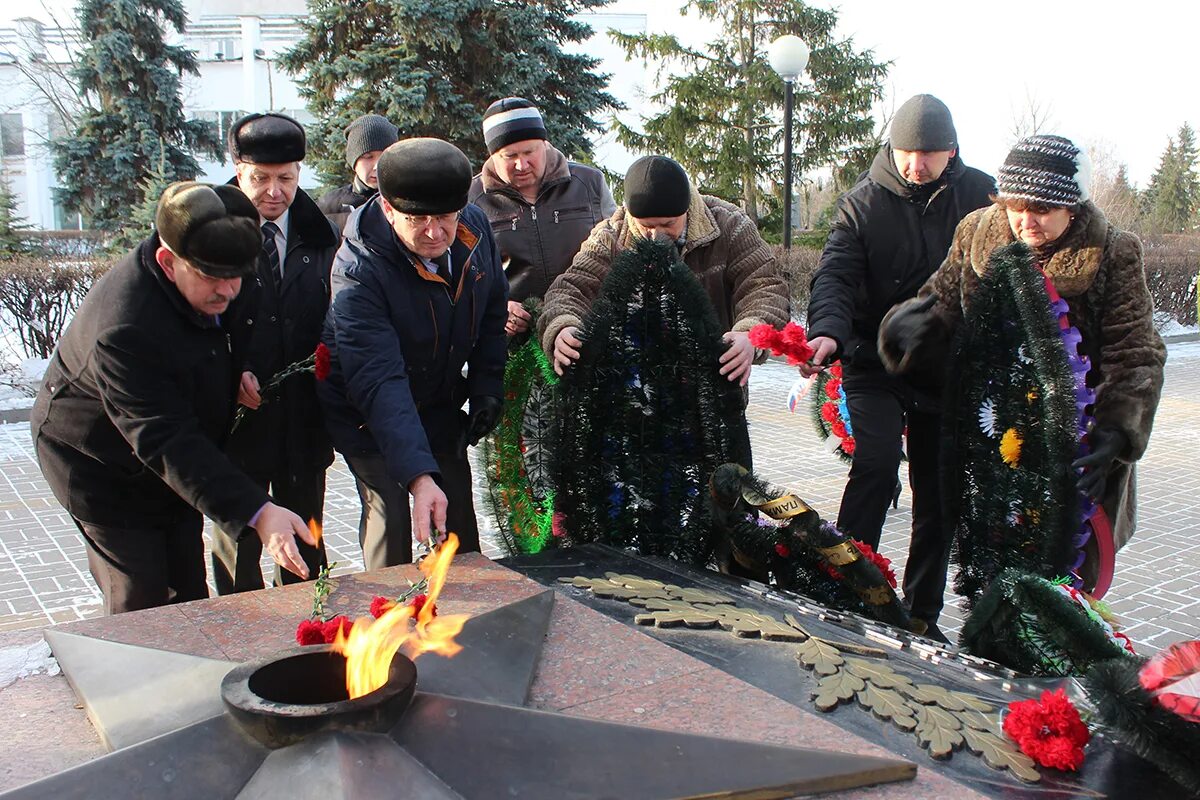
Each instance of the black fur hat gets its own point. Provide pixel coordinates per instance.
(424, 176)
(213, 228)
(266, 139)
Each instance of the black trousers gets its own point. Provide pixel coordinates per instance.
(385, 526)
(881, 406)
(147, 567)
(236, 561)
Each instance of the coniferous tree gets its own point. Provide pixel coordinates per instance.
(14, 229)
(433, 68)
(724, 102)
(1173, 196)
(130, 78)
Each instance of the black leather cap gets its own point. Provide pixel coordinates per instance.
(424, 176)
(213, 228)
(266, 139)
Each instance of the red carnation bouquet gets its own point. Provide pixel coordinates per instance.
(1049, 730)
(790, 341)
(318, 364)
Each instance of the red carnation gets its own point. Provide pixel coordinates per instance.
(879, 560)
(782, 550)
(558, 525)
(763, 336)
(794, 344)
(332, 626)
(833, 389)
(1048, 730)
(829, 412)
(321, 362)
(838, 429)
(419, 602)
(381, 605)
(848, 445)
(836, 371)
(310, 631)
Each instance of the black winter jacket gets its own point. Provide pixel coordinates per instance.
(337, 204)
(287, 436)
(538, 241)
(399, 336)
(138, 399)
(887, 239)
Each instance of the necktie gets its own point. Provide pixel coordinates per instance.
(271, 250)
(443, 265)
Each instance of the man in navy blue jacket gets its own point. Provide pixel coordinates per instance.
(418, 293)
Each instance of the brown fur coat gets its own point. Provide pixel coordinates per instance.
(1098, 270)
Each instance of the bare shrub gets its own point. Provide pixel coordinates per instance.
(1171, 261)
(798, 266)
(39, 295)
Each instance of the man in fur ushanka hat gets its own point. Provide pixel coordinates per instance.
(418, 294)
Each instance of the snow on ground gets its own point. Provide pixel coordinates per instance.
(25, 660)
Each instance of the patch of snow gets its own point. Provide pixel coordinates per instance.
(1182, 350)
(23, 661)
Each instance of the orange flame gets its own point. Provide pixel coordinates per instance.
(371, 645)
(314, 528)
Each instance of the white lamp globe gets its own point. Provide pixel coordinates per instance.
(788, 56)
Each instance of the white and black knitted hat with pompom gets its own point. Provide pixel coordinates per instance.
(1050, 170)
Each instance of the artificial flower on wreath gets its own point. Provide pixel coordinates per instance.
(1048, 730)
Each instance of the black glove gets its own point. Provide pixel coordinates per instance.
(485, 413)
(1106, 445)
(910, 326)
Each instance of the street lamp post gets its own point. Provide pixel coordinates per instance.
(788, 56)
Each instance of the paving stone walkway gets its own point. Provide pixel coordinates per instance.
(44, 577)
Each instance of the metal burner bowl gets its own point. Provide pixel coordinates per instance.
(289, 696)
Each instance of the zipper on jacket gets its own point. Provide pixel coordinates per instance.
(514, 223)
(533, 212)
(555, 217)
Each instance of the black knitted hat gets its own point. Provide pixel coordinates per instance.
(1045, 169)
(213, 228)
(513, 119)
(367, 133)
(923, 123)
(424, 176)
(266, 139)
(656, 186)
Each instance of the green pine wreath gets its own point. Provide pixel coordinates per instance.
(517, 454)
(1010, 431)
(647, 416)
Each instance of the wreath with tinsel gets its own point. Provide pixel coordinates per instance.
(804, 553)
(1015, 403)
(1042, 627)
(647, 414)
(517, 455)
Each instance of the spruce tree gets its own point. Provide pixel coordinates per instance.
(14, 229)
(723, 102)
(1173, 196)
(433, 68)
(130, 78)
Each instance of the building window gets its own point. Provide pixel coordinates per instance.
(12, 135)
(222, 119)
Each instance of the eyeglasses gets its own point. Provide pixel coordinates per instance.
(420, 223)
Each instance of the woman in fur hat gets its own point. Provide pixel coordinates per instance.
(1042, 201)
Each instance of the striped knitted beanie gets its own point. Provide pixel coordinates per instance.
(1049, 170)
(513, 119)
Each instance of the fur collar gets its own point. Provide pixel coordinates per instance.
(1073, 266)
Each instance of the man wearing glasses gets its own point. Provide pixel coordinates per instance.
(419, 294)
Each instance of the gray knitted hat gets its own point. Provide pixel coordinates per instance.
(369, 132)
(1045, 169)
(923, 123)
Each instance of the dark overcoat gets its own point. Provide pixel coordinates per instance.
(137, 402)
(286, 436)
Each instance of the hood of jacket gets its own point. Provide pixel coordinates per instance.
(884, 172)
